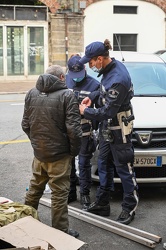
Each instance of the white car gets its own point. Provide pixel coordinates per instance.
(148, 74)
(161, 53)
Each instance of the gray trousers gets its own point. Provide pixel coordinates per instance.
(57, 175)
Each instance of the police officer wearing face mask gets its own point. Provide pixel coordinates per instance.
(115, 115)
(82, 85)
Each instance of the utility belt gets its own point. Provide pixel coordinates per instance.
(125, 119)
(125, 124)
(90, 136)
(87, 133)
(85, 121)
(117, 133)
(121, 146)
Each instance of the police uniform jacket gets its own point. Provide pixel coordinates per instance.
(83, 89)
(115, 92)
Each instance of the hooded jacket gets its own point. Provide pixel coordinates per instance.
(51, 119)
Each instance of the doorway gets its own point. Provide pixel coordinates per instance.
(23, 51)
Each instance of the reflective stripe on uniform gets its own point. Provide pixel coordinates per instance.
(85, 92)
(114, 127)
(135, 195)
(86, 133)
(83, 121)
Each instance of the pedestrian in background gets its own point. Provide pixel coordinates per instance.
(115, 117)
(82, 85)
(51, 120)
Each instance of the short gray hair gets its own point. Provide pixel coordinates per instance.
(55, 70)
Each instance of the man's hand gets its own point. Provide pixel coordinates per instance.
(87, 101)
(82, 107)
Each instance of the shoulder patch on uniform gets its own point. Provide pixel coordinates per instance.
(113, 93)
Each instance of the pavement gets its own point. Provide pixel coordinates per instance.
(12, 87)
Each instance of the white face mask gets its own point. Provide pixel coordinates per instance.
(78, 79)
(96, 69)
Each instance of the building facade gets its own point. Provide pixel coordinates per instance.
(39, 36)
(129, 24)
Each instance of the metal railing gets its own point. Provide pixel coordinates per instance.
(23, 12)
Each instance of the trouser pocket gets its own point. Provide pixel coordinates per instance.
(123, 153)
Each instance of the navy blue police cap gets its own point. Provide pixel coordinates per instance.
(76, 69)
(92, 50)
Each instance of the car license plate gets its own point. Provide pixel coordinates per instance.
(150, 161)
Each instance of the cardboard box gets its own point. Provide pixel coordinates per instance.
(5, 200)
(29, 232)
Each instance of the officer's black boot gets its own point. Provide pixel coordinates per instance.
(101, 206)
(126, 217)
(72, 196)
(85, 201)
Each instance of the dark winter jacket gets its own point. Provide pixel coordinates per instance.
(51, 119)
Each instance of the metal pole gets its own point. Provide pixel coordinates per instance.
(75, 5)
(66, 37)
(126, 231)
(130, 229)
(113, 229)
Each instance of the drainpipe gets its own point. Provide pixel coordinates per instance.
(75, 6)
(66, 37)
(165, 30)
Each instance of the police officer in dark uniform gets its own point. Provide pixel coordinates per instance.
(82, 84)
(115, 115)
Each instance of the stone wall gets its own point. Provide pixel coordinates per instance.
(66, 37)
(66, 30)
(159, 3)
(57, 4)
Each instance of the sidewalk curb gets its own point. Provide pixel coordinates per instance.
(7, 93)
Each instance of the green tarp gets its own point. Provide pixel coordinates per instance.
(13, 211)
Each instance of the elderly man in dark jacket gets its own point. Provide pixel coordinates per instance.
(51, 120)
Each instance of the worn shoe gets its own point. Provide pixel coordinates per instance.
(85, 201)
(102, 210)
(73, 233)
(72, 196)
(125, 217)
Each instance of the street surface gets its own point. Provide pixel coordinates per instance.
(16, 157)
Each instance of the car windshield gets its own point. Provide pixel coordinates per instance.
(149, 79)
(163, 56)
